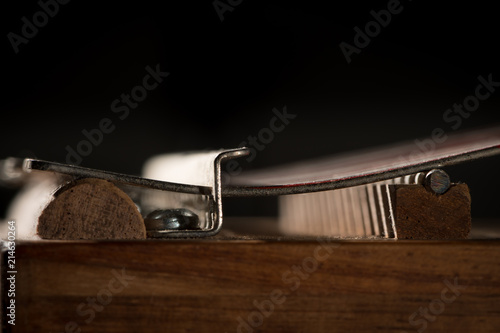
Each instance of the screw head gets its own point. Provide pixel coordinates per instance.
(437, 181)
(171, 219)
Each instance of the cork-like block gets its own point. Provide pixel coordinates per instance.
(420, 214)
(91, 209)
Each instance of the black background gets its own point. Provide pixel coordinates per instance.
(226, 77)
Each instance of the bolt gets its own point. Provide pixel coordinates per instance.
(437, 181)
(172, 219)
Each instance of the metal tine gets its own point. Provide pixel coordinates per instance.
(381, 211)
(332, 214)
(356, 212)
(373, 210)
(326, 211)
(365, 210)
(348, 225)
(316, 225)
(340, 212)
(390, 212)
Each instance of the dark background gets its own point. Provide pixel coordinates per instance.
(226, 77)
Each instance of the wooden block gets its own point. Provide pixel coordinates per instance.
(91, 209)
(421, 214)
(252, 286)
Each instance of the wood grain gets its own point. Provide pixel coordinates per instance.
(421, 214)
(215, 286)
(91, 209)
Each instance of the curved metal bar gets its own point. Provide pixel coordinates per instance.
(371, 176)
(81, 172)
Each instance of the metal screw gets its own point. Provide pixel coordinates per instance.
(437, 181)
(172, 219)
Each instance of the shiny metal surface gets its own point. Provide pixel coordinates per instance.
(364, 167)
(437, 181)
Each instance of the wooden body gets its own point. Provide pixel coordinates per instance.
(254, 285)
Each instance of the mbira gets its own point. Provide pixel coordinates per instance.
(399, 191)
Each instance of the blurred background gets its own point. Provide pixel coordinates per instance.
(226, 76)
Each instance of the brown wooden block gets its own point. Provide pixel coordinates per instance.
(91, 209)
(420, 214)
